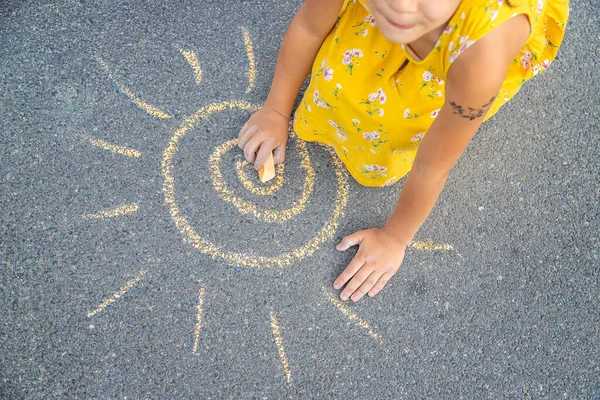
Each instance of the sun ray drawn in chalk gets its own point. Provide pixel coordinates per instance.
(351, 316)
(277, 336)
(191, 58)
(199, 308)
(117, 212)
(430, 246)
(116, 149)
(150, 110)
(128, 286)
(251, 73)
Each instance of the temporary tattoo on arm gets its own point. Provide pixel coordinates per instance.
(471, 113)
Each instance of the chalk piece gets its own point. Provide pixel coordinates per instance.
(267, 172)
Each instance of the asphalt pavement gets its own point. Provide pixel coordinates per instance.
(141, 259)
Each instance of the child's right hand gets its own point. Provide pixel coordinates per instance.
(266, 131)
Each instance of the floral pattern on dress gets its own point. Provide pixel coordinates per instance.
(349, 59)
(458, 46)
(325, 71)
(390, 181)
(375, 137)
(362, 27)
(417, 138)
(382, 54)
(338, 130)
(374, 103)
(336, 91)
(374, 171)
(408, 115)
(433, 85)
(526, 60)
(320, 100)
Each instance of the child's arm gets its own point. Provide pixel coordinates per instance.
(267, 129)
(472, 84)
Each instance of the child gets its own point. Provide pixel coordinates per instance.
(393, 76)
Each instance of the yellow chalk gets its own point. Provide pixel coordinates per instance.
(267, 172)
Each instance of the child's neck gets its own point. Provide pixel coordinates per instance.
(426, 43)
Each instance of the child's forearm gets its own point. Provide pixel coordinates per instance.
(418, 196)
(296, 56)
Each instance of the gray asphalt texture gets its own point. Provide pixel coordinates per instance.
(511, 312)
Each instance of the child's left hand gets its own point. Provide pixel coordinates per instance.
(378, 258)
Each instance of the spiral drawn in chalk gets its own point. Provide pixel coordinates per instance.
(245, 207)
(240, 168)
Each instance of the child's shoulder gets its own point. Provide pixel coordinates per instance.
(492, 12)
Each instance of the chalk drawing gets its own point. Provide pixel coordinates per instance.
(116, 149)
(245, 207)
(150, 110)
(118, 294)
(249, 184)
(351, 316)
(280, 348)
(251, 73)
(191, 58)
(121, 210)
(198, 320)
(242, 259)
(430, 246)
(242, 168)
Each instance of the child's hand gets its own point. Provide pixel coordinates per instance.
(266, 131)
(378, 258)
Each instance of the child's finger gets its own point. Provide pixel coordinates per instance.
(242, 131)
(383, 280)
(246, 135)
(357, 262)
(279, 154)
(357, 280)
(366, 285)
(349, 241)
(262, 155)
(243, 128)
(251, 147)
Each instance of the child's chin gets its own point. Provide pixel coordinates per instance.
(399, 37)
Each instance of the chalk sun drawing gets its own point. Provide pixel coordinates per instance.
(219, 251)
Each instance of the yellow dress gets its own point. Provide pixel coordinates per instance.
(374, 114)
